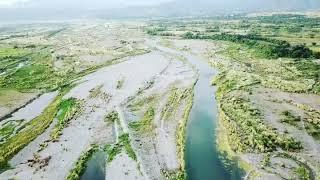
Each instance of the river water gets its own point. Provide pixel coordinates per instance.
(203, 160)
(95, 167)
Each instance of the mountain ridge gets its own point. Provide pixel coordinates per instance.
(177, 8)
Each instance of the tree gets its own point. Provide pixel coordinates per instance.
(188, 35)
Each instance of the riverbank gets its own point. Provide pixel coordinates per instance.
(248, 104)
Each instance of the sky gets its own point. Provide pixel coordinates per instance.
(9, 3)
(76, 3)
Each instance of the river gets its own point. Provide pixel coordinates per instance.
(203, 160)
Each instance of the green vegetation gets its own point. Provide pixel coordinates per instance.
(156, 31)
(145, 124)
(95, 92)
(267, 48)
(302, 173)
(266, 160)
(10, 57)
(112, 117)
(123, 144)
(259, 58)
(78, 170)
(312, 129)
(175, 98)
(37, 74)
(67, 109)
(136, 105)
(173, 175)
(181, 137)
(112, 151)
(124, 139)
(36, 127)
(289, 118)
(244, 124)
(287, 75)
(312, 121)
(7, 129)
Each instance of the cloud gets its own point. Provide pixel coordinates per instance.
(9, 3)
(75, 3)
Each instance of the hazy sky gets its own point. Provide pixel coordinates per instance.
(76, 3)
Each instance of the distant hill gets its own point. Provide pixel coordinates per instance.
(174, 8)
(213, 7)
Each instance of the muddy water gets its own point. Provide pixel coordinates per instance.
(203, 160)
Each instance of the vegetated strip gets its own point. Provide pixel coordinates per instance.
(243, 122)
(144, 125)
(175, 98)
(67, 109)
(181, 135)
(80, 166)
(36, 127)
(269, 48)
(115, 149)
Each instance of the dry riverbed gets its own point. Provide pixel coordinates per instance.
(151, 75)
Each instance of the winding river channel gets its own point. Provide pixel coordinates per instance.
(203, 160)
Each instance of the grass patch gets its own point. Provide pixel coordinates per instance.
(175, 98)
(145, 124)
(78, 170)
(243, 122)
(312, 130)
(112, 117)
(32, 130)
(123, 144)
(302, 173)
(136, 105)
(125, 141)
(95, 91)
(38, 74)
(7, 129)
(13, 52)
(289, 118)
(173, 175)
(285, 74)
(67, 109)
(112, 151)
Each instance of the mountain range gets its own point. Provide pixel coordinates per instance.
(59, 10)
